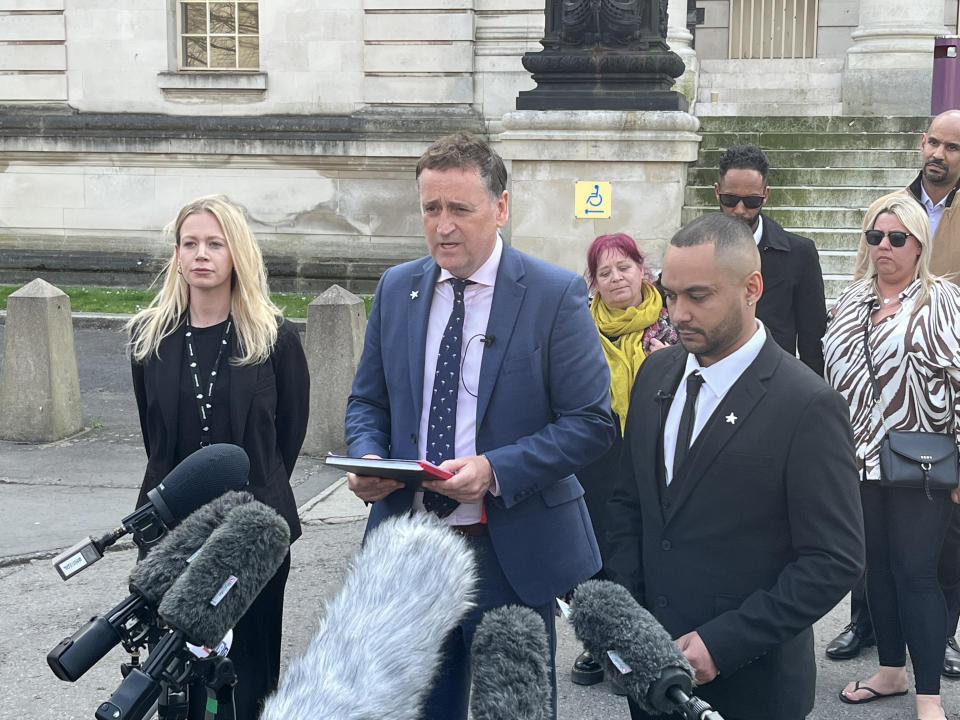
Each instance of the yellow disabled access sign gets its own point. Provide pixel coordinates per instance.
(593, 199)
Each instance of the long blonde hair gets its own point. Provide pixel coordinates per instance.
(255, 316)
(914, 218)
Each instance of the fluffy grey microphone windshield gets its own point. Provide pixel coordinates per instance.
(511, 673)
(153, 576)
(605, 617)
(234, 564)
(378, 646)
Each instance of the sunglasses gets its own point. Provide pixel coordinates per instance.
(751, 202)
(898, 238)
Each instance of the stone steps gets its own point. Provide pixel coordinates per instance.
(798, 196)
(825, 173)
(784, 109)
(801, 141)
(818, 159)
(838, 262)
(825, 124)
(833, 285)
(824, 177)
(828, 218)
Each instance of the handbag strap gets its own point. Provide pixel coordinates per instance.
(873, 375)
(869, 358)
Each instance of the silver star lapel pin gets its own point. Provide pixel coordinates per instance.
(414, 294)
(731, 418)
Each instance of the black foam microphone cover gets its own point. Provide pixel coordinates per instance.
(149, 581)
(511, 672)
(198, 479)
(231, 569)
(605, 617)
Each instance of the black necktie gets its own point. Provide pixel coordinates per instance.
(442, 429)
(685, 429)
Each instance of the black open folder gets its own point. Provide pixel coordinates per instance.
(409, 472)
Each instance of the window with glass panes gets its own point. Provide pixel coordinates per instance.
(219, 35)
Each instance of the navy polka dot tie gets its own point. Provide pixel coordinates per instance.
(442, 429)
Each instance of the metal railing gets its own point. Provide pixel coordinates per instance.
(773, 29)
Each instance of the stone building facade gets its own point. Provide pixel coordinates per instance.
(312, 115)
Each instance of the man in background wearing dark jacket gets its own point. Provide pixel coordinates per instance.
(792, 307)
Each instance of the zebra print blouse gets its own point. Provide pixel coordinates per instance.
(916, 357)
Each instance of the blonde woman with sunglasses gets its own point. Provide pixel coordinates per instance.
(910, 320)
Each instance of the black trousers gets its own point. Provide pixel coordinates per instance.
(904, 532)
(949, 570)
(450, 691)
(255, 651)
(948, 573)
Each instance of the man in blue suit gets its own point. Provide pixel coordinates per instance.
(486, 361)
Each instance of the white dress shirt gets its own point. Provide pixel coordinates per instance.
(758, 233)
(717, 381)
(477, 300)
(934, 212)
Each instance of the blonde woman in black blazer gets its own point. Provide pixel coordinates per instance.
(213, 324)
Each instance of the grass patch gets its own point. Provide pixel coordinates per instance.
(131, 300)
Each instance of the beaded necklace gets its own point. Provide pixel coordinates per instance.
(204, 399)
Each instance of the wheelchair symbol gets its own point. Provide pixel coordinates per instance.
(594, 200)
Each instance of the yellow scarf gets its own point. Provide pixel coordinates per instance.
(625, 352)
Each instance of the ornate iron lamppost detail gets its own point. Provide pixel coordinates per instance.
(604, 55)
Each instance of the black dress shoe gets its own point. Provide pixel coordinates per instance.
(586, 670)
(849, 643)
(951, 658)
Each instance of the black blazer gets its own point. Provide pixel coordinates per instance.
(792, 305)
(269, 404)
(758, 536)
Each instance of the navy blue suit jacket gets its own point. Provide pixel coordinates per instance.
(543, 411)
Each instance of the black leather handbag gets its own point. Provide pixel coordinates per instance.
(914, 459)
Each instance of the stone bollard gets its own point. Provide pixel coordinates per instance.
(336, 321)
(39, 388)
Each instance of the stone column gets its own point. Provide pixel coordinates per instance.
(39, 386)
(336, 322)
(680, 41)
(644, 155)
(889, 66)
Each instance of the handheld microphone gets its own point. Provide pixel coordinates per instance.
(207, 600)
(511, 677)
(656, 675)
(132, 620)
(378, 647)
(201, 477)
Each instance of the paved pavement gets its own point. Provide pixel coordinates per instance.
(53, 495)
